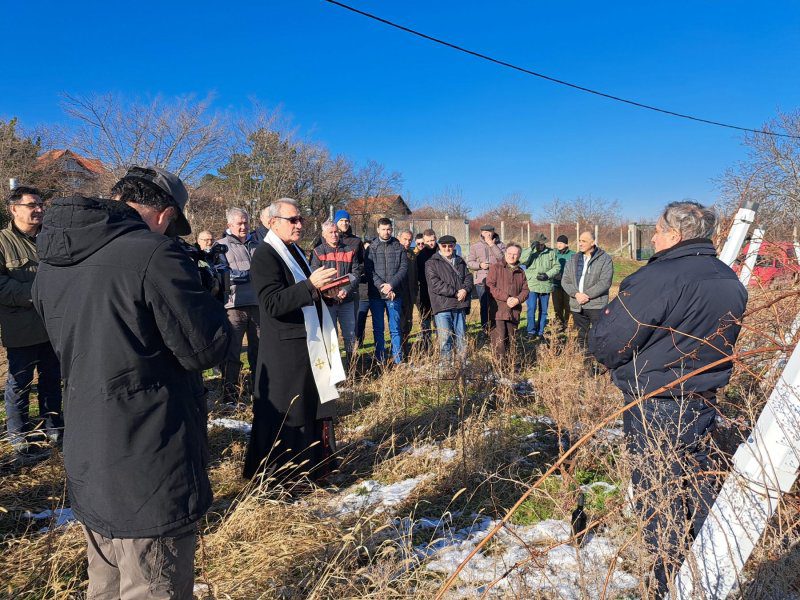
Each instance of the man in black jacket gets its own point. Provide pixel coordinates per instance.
(449, 286)
(132, 326)
(673, 316)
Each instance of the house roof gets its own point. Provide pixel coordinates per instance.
(387, 205)
(92, 165)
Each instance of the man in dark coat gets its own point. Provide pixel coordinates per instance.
(298, 361)
(427, 251)
(132, 326)
(449, 286)
(410, 290)
(673, 316)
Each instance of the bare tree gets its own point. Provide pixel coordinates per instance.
(511, 209)
(449, 202)
(180, 135)
(583, 209)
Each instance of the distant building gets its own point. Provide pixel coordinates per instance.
(75, 172)
(365, 212)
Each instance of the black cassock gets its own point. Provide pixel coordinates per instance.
(286, 406)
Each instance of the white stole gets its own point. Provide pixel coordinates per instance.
(322, 341)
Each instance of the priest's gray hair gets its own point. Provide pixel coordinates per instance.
(232, 213)
(274, 209)
(691, 219)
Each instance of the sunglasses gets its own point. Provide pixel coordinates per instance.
(293, 220)
(31, 205)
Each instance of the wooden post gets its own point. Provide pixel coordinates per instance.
(529, 233)
(503, 231)
(597, 235)
(552, 234)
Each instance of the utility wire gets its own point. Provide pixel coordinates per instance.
(581, 88)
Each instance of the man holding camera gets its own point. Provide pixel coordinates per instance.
(131, 325)
(541, 265)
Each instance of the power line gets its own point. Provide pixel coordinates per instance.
(581, 88)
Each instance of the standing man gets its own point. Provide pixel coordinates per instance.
(482, 254)
(410, 290)
(333, 254)
(299, 363)
(509, 290)
(427, 251)
(541, 265)
(241, 304)
(260, 232)
(386, 267)
(23, 333)
(205, 240)
(132, 326)
(449, 286)
(587, 279)
(680, 312)
(560, 297)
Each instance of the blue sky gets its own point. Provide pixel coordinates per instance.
(441, 118)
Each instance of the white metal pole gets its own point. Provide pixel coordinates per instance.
(741, 225)
(12, 183)
(752, 254)
(764, 467)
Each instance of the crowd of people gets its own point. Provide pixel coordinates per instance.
(99, 298)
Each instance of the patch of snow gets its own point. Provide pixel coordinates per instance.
(62, 516)
(433, 451)
(602, 485)
(235, 424)
(539, 420)
(373, 494)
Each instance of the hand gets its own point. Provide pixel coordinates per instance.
(542, 276)
(322, 277)
(391, 295)
(386, 288)
(581, 298)
(461, 295)
(512, 301)
(484, 265)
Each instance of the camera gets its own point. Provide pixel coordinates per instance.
(211, 267)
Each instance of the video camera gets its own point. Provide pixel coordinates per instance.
(211, 266)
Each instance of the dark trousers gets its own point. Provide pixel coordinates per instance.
(140, 568)
(243, 320)
(21, 364)
(669, 443)
(561, 306)
(584, 321)
(361, 320)
(503, 337)
(406, 324)
(487, 321)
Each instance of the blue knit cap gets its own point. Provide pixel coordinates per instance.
(341, 214)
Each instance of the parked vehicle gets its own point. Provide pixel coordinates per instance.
(776, 264)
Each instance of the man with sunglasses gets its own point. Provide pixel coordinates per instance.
(23, 333)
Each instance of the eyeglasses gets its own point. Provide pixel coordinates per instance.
(293, 220)
(447, 245)
(31, 205)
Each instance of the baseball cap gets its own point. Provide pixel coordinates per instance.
(171, 185)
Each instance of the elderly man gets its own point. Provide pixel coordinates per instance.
(678, 313)
(587, 280)
(241, 303)
(23, 333)
(410, 290)
(482, 254)
(427, 251)
(449, 286)
(299, 365)
(133, 326)
(204, 240)
(509, 290)
(541, 266)
(386, 265)
(332, 253)
(260, 232)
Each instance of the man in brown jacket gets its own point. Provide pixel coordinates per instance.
(23, 333)
(508, 288)
(482, 254)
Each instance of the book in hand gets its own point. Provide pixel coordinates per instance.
(336, 283)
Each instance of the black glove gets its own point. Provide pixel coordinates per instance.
(542, 276)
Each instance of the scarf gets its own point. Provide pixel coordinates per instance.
(321, 338)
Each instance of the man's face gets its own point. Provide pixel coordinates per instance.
(239, 226)
(384, 232)
(486, 236)
(156, 220)
(429, 241)
(331, 236)
(512, 255)
(585, 242)
(204, 240)
(28, 212)
(343, 225)
(447, 250)
(561, 246)
(405, 240)
(664, 236)
(289, 225)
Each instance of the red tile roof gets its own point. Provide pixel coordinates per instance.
(390, 205)
(92, 165)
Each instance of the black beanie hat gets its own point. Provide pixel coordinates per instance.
(563, 239)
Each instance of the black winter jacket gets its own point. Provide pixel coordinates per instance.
(444, 281)
(676, 314)
(132, 326)
(385, 262)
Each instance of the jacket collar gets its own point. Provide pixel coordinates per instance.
(693, 247)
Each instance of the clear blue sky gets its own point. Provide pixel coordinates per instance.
(440, 117)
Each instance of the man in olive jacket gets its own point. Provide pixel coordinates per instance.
(541, 266)
(132, 325)
(23, 333)
(587, 280)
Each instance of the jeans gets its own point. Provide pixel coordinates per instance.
(394, 308)
(451, 329)
(21, 364)
(362, 310)
(487, 322)
(537, 312)
(243, 320)
(345, 315)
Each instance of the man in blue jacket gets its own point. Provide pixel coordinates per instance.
(678, 313)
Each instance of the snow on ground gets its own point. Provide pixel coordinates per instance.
(430, 451)
(371, 494)
(556, 567)
(62, 516)
(235, 424)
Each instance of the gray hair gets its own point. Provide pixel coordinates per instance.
(236, 212)
(274, 209)
(513, 245)
(408, 231)
(691, 219)
(327, 224)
